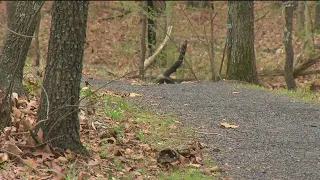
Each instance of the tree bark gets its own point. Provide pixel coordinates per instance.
(317, 17)
(241, 55)
(63, 76)
(17, 44)
(228, 39)
(211, 53)
(11, 9)
(151, 28)
(143, 40)
(301, 17)
(36, 61)
(288, 67)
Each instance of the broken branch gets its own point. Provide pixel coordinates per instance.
(152, 58)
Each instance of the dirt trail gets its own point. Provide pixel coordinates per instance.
(278, 138)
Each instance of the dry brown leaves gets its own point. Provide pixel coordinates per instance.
(117, 148)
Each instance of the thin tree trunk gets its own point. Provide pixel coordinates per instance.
(17, 44)
(288, 67)
(213, 74)
(36, 61)
(301, 17)
(151, 28)
(229, 37)
(317, 17)
(143, 39)
(63, 76)
(241, 58)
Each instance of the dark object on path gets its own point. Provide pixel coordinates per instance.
(167, 156)
(165, 77)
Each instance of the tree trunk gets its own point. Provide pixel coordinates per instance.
(301, 17)
(63, 76)
(317, 17)
(211, 53)
(241, 58)
(151, 28)
(36, 61)
(288, 67)
(143, 40)
(228, 38)
(16, 46)
(11, 9)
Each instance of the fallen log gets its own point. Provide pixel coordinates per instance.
(299, 70)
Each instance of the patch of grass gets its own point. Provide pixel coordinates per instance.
(4, 165)
(185, 174)
(141, 136)
(302, 95)
(114, 107)
(103, 155)
(72, 172)
(158, 131)
(299, 95)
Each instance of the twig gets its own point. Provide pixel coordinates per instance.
(217, 12)
(207, 133)
(262, 16)
(116, 16)
(224, 53)
(14, 32)
(53, 170)
(18, 157)
(191, 24)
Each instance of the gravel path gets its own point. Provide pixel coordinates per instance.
(278, 138)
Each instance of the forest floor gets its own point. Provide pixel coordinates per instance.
(268, 136)
(247, 133)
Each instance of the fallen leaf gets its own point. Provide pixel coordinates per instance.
(134, 95)
(32, 163)
(59, 169)
(94, 162)
(209, 171)
(12, 148)
(62, 159)
(194, 165)
(17, 114)
(4, 157)
(228, 125)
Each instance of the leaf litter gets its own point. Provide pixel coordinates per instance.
(119, 148)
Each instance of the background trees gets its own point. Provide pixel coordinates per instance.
(253, 43)
(253, 37)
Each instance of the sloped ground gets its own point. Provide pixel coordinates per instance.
(113, 45)
(277, 137)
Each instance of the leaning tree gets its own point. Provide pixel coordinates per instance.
(59, 102)
(17, 43)
(241, 55)
(12, 60)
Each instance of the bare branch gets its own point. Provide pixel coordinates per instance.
(152, 58)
